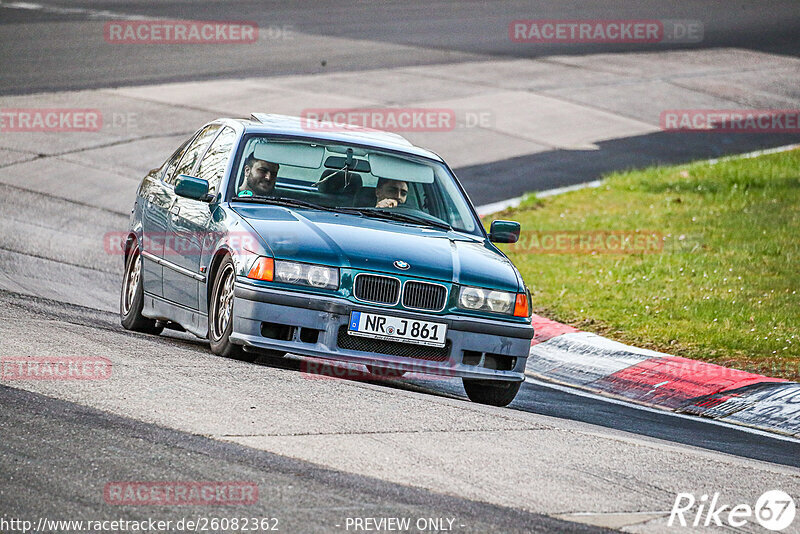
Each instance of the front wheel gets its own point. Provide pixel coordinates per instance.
(131, 299)
(220, 315)
(491, 392)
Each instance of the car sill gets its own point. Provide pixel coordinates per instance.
(176, 268)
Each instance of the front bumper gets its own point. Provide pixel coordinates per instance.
(495, 350)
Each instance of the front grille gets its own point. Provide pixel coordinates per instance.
(378, 289)
(392, 348)
(424, 296)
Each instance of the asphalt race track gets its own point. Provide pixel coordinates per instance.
(323, 450)
(302, 497)
(170, 403)
(54, 49)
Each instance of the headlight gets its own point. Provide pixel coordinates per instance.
(500, 301)
(289, 272)
(306, 274)
(471, 298)
(475, 298)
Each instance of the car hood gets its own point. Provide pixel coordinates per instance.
(369, 244)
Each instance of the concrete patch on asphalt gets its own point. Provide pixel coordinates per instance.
(615, 99)
(389, 87)
(240, 98)
(774, 88)
(686, 63)
(613, 520)
(544, 120)
(117, 120)
(523, 74)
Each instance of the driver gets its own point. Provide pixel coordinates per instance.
(390, 193)
(259, 176)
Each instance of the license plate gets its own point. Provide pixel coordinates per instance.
(397, 329)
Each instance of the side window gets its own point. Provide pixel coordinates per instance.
(414, 198)
(212, 167)
(168, 169)
(194, 151)
(443, 205)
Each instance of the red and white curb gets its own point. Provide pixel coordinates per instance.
(563, 354)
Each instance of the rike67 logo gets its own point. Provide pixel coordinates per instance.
(774, 510)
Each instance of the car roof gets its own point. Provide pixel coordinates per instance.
(270, 123)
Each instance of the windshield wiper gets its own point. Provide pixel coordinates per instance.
(372, 212)
(284, 202)
(403, 217)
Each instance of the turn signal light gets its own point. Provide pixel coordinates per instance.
(262, 269)
(521, 306)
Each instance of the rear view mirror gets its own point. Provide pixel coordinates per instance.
(504, 232)
(339, 162)
(191, 187)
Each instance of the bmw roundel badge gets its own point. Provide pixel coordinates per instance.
(400, 264)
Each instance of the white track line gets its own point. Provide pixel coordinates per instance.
(695, 418)
(494, 207)
(755, 154)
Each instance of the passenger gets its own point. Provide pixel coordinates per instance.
(391, 193)
(259, 176)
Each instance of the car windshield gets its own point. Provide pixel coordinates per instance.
(367, 181)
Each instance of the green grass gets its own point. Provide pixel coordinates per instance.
(723, 289)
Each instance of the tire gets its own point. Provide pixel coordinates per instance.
(220, 315)
(131, 299)
(384, 372)
(491, 392)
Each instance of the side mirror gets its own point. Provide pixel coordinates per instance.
(504, 232)
(191, 187)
